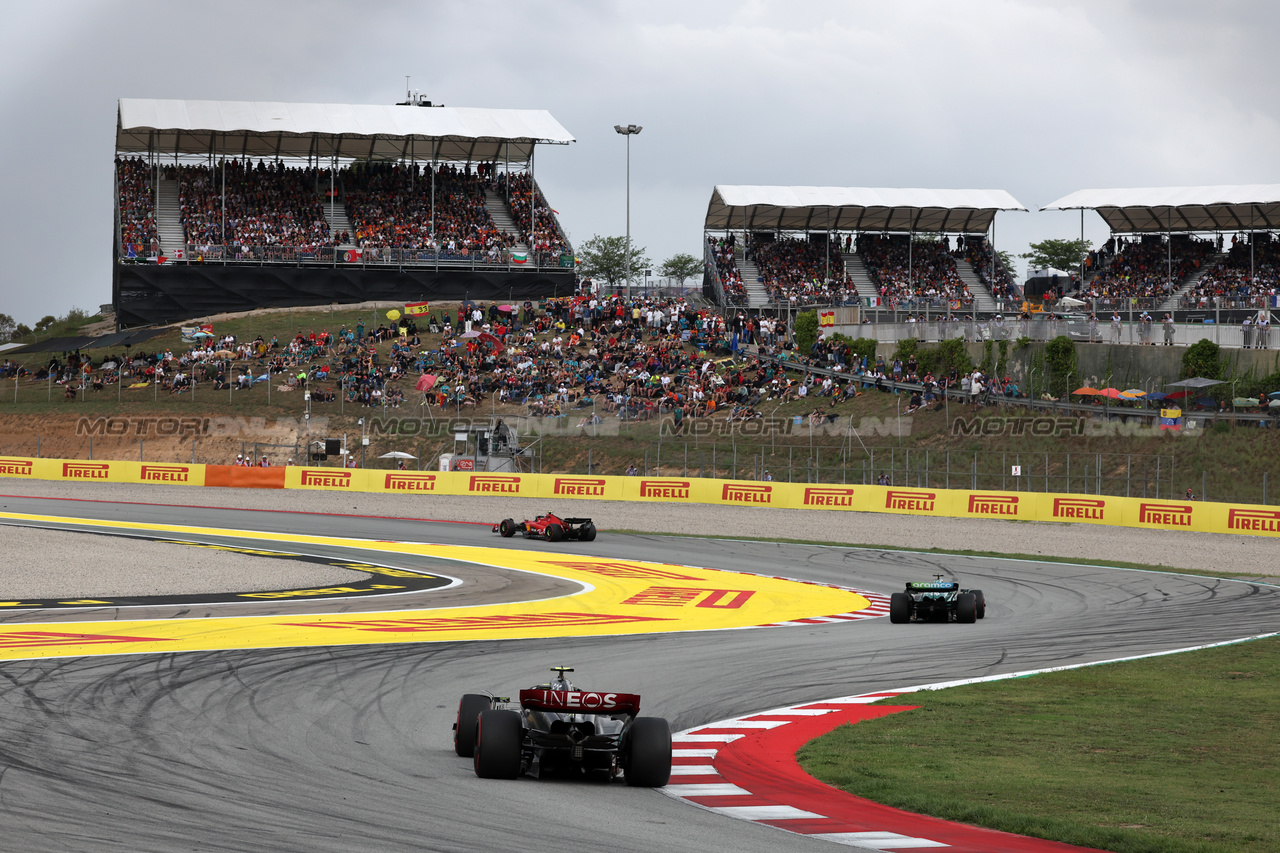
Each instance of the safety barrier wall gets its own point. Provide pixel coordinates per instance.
(1206, 517)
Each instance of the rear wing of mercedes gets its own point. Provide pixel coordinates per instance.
(579, 702)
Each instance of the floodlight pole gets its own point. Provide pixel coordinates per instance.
(628, 131)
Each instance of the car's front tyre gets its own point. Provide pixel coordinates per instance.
(507, 527)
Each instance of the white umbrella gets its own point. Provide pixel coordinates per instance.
(397, 454)
(108, 365)
(1071, 302)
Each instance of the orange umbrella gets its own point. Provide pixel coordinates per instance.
(1086, 390)
(1113, 393)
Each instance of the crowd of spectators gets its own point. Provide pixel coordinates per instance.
(913, 275)
(1142, 268)
(391, 207)
(136, 200)
(801, 272)
(1244, 279)
(735, 292)
(979, 253)
(534, 218)
(269, 205)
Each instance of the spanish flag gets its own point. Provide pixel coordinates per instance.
(415, 308)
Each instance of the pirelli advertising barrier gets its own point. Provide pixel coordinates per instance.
(952, 503)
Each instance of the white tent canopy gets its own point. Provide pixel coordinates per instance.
(347, 131)
(855, 209)
(1182, 209)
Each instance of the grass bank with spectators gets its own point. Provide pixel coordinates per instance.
(807, 440)
(1174, 754)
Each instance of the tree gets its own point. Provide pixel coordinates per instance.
(605, 257)
(7, 325)
(682, 266)
(1202, 359)
(1065, 255)
(805, 328)
(45, 322)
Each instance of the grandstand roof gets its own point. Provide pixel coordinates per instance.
(856, 209)
(1161, 209)
(270, 129)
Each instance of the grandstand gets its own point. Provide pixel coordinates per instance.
(885, 249)
(230, 206)
(1167, 250)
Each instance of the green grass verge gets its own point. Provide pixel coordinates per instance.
(1167, 754)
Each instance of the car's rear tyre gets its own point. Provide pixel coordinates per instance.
(555, 532)
(982, 602)
(498, 736)
(587, 533)
(899, 607)
(464, 730)
(966, 607)
(507, 527)
(649, 745)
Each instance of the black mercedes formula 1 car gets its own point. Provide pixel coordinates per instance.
(555, 728)
(937, 601)
(550, 527)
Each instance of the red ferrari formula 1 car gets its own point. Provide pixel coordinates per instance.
(550, 527)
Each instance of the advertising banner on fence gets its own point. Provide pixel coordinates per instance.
(901, 500)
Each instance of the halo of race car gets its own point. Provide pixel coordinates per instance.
(556, 729)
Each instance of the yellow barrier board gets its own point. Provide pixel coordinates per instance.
(617, 597)
(1150, 513)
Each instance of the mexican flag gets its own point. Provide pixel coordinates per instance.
(520, 257)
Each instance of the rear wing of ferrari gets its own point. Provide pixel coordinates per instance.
(579, 701)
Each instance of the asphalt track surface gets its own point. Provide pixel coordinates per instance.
(349, 748)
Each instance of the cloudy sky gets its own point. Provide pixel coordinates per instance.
(1036, 98)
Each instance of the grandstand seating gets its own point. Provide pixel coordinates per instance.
(1227, 283)
(801, 272)
(1141, 268)
(268, 205)
(136, 199)
(928, 277)
(722, 250)
(385, 210)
